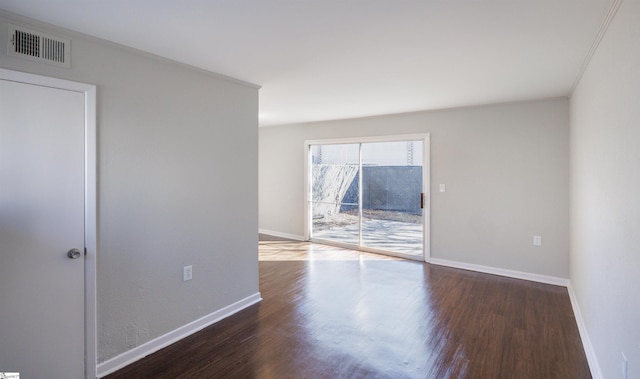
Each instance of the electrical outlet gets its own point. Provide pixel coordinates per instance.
(625, 367)
(187, 273)
(537, 240)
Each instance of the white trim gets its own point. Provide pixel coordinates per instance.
(306, 209)
(604, 26)
(282, 235)
(370, 139)
(426, 187)
(90, 199)
(139, 352)
(44, 81)
(596, 372)
(91, 234)
(502, 272)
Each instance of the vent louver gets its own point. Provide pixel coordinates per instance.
(38, 46)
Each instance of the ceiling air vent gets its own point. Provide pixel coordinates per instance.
(40, 47)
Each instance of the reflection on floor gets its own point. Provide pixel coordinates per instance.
(306, 251)
(332, 313)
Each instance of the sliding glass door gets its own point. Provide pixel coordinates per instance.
(335, 192)
(369, 195)
(391, 196)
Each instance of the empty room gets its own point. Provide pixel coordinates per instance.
(320, 189)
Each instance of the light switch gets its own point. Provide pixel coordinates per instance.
(187, 273)
(537, 240)
(442, 188)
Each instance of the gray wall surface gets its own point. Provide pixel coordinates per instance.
(506, 170)
(171, 142)
(605, 195)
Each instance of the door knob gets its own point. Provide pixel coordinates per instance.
(74, 254)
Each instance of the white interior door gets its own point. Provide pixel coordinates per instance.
(42, 189)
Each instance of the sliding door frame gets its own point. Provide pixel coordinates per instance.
(426, 183)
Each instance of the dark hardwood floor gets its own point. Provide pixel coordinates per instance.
(371, 317)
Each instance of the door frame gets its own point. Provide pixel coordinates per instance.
(426, 180)
(90, 200)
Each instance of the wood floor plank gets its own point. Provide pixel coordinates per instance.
(369, 317)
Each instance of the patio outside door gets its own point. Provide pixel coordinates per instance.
(391, 197)
(369, 195)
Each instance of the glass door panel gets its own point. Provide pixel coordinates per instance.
(335, 192)
(392, 214)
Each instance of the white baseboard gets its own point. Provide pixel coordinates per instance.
(502, 272)
(139, 352)
(281, 235)
(596, 373)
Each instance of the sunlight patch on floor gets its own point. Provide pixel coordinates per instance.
(306, 251)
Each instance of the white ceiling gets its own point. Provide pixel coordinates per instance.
(332, 59)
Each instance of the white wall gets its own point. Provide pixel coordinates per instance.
(177, 185)
(605, 195)
(505, 167)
